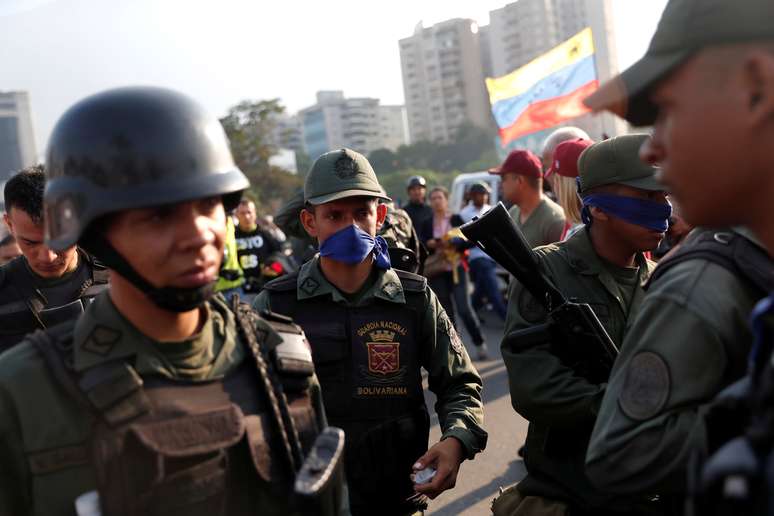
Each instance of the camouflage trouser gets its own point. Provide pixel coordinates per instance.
(511, 502)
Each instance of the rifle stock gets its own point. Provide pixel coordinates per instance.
(498, 236)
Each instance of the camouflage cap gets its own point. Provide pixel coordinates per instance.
(617, 161)
(686, 27)
(339, 174)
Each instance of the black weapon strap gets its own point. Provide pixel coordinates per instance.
(730, 250)
(276, 397)
(19, 277)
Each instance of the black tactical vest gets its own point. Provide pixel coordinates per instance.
(25, 308)
(368, 361)
(205, 448)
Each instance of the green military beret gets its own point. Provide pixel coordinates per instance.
(686, 27)
(616, 161)
(339, 174)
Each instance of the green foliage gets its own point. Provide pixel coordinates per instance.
(303, 163)
(249, 126)
(272, 186)
(472, 150)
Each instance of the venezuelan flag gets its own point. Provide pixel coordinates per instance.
(545, 91)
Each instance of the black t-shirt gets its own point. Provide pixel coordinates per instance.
(253, 248)
(419, 212)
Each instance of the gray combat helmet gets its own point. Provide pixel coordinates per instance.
(134, 148)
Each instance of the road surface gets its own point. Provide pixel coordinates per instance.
(499, 465)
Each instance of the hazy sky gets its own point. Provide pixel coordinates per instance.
(225, 51)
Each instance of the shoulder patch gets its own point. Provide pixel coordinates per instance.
(283, 283)
(646, 386)
(529, 308)
(412, 282)
(445, 325)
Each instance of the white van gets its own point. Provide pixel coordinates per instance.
(463, 181)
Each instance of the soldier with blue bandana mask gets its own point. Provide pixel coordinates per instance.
(625, 214)
(372, 328)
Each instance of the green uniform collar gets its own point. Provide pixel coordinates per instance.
(583, 259)
(103, 334)
(312, 283)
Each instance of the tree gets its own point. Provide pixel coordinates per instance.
(303, 163)
(383, 161)
(249, 126)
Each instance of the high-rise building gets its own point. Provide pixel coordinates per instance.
(393, 127)
(358, 123)
(17, 143)
(288, 133)
(443, 80)
(525, 29)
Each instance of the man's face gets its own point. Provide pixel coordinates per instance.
(416, 194)
(29, 235)
(331, 217)
(701, 142)
(175, 245)
(246, 214)
(511, 187)
(478, 198)
(636, 237)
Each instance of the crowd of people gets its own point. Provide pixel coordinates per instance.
(638, 335)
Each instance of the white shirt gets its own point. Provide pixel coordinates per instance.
(467, 214)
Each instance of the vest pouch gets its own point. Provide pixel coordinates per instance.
(379, 464)
(174, 465)
(269, 466)
(59, 314)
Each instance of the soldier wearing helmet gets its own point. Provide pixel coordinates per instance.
(161, 398)
(416, 207)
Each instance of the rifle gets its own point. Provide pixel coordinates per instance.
(582, 342)
(318, 477)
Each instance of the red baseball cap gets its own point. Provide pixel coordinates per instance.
(566, 154)
(519, 162)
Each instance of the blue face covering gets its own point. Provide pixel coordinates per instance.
(642, 212)
(352, 245)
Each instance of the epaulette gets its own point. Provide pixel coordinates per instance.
(412, 282)
(283, 283)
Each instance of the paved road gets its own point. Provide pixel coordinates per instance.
(498, 465)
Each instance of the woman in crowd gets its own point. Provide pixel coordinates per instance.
(446, 267)
(564, 168)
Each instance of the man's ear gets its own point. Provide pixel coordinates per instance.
(381, 215)
(8, 223)
(598, 214)
(758, 81)
(309, 222)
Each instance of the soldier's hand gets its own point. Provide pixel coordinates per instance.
(445, 456)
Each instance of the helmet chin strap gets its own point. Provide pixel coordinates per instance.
(173, 299)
